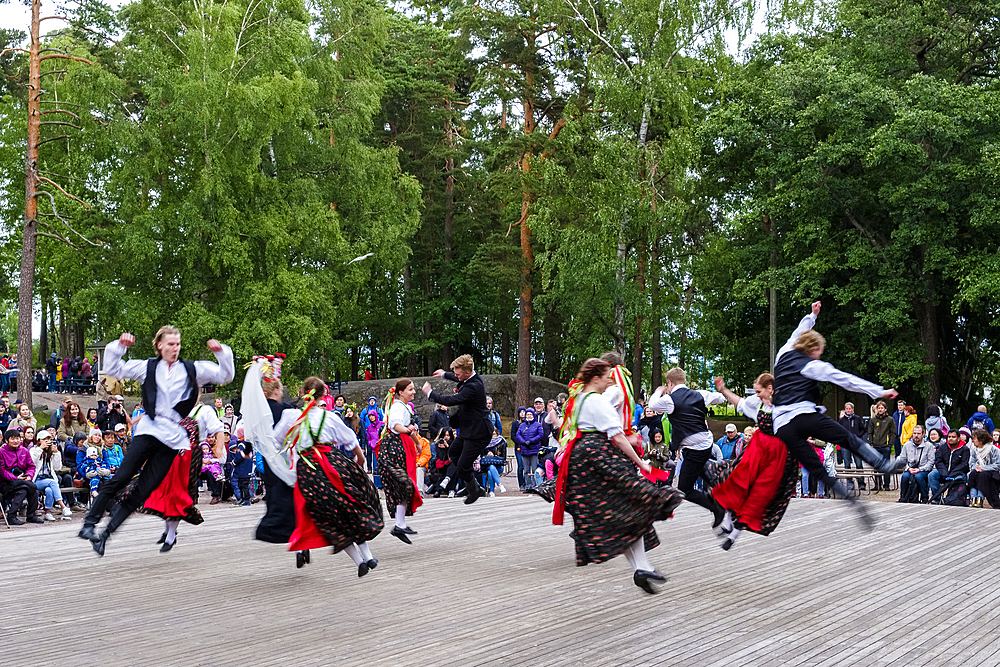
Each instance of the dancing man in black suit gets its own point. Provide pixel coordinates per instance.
(472, 419)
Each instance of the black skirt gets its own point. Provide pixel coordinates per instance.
(345, 517)
(611, 504)
(399, 488)
(278, 523)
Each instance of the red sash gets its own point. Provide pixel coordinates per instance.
(559, 506)
(307, 535)
(172, 497)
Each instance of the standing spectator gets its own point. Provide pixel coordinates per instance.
(909, 423)
(72, 421)
(640, 409)
(220, 411)
(138, 411)
(437, 424)
(899, 416)
(951, 461)
(729, 443)
(984, 479)
(517, 446)
(51, 370)
(86, 370)
(4, 375)
(851, 421)
(17, 472)
(241, 460)
(64, 367)
(918, 454)
(529, 435)
(980, 420)
(882, 435)
(338, 403)
(373, 426)
(373, 405)
(494, 416)
(47, 461)
(229, 417)
(934, 419)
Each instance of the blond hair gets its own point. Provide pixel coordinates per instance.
(676, 375)
(165, 330)
(464, 362)
(809, 341)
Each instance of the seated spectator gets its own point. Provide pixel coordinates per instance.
(24, 418)
(28, 437)
(91, 419)
(996, 436)
(918, 455)
(980, 420)
(71, 454)
(7, 413)
(17, 472)
(438, 467)
(112, 450)
(731, 442)
(39, 382)
(72, 420)
(492, 463)
(212, 473)
(649, 422)
(95, 440)
(93, 469)
(48, 462)
(951, 462)
(139, 410)
(965, 435)
(121, 437)
(984, 478)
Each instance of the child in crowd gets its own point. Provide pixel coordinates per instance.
(241, 458)
(492, 462)
(210, 464)
(92, 470)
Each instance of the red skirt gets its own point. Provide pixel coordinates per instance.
(175, 497)
(754, 482)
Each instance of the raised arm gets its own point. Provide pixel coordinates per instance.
(123, 370)
(720, 386)
(660, 401)
(221, 373)
(806, 323)
(822, 371)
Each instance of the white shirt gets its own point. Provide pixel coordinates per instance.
(820, 371)
(208, 421)
(399, 413)
(597, 414)
(614, 396)
(661, 402)
(751, 406)
(334, 432)
(171, 389)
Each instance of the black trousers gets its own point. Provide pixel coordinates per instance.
(214, 485)
(795, 435)
(692, 468)
(16, 492)
(145, 452)
(464, 453)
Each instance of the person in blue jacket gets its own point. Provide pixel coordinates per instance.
(530, 435)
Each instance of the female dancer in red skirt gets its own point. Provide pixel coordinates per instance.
(755, 488)
(397, 454)
(336, 503)
(613, 508)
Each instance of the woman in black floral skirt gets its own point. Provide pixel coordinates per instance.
(397, 459)
(613, 508)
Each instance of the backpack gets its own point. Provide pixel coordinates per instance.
(978, 424)
(952, 493)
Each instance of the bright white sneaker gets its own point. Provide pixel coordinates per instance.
(492, 495)
(48, 516)
(451, 494)
(503, 489)
(67, 512)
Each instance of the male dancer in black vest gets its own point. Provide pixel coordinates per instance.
(472, 419)
(169, 391)
(687, 410)
(799, 416)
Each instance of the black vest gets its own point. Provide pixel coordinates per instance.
(689, 415)
(790, 386)
(149, 388)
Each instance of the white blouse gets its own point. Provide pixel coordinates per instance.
(751, 406)
(399, 413)
(334, 430)
(597, 414)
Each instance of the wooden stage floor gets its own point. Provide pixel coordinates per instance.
(495, 584)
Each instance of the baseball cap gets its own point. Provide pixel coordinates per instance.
(118, 397)
(730, 428)
(539, 400)
(43, 434)
(119, 427)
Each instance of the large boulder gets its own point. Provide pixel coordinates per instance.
(500, 387)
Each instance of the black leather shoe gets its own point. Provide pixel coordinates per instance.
(362, 570)
(167, 546)
(409, 531)
(87, 533)
(372, 564)
(305, 554)
(642, 581)
(34, 518)
(300, 559)
(14, 521)
(437, 494)
(475, 493)
(652, 575)
(398, 532)
(100, 543)
(163, 538)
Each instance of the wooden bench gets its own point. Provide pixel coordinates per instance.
(868, 475)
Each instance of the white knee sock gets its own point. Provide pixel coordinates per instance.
(355, 555)
(171, 530)
(365, 551)
(401, 516)
(639, 554)
(630, 558)
(727, 522)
